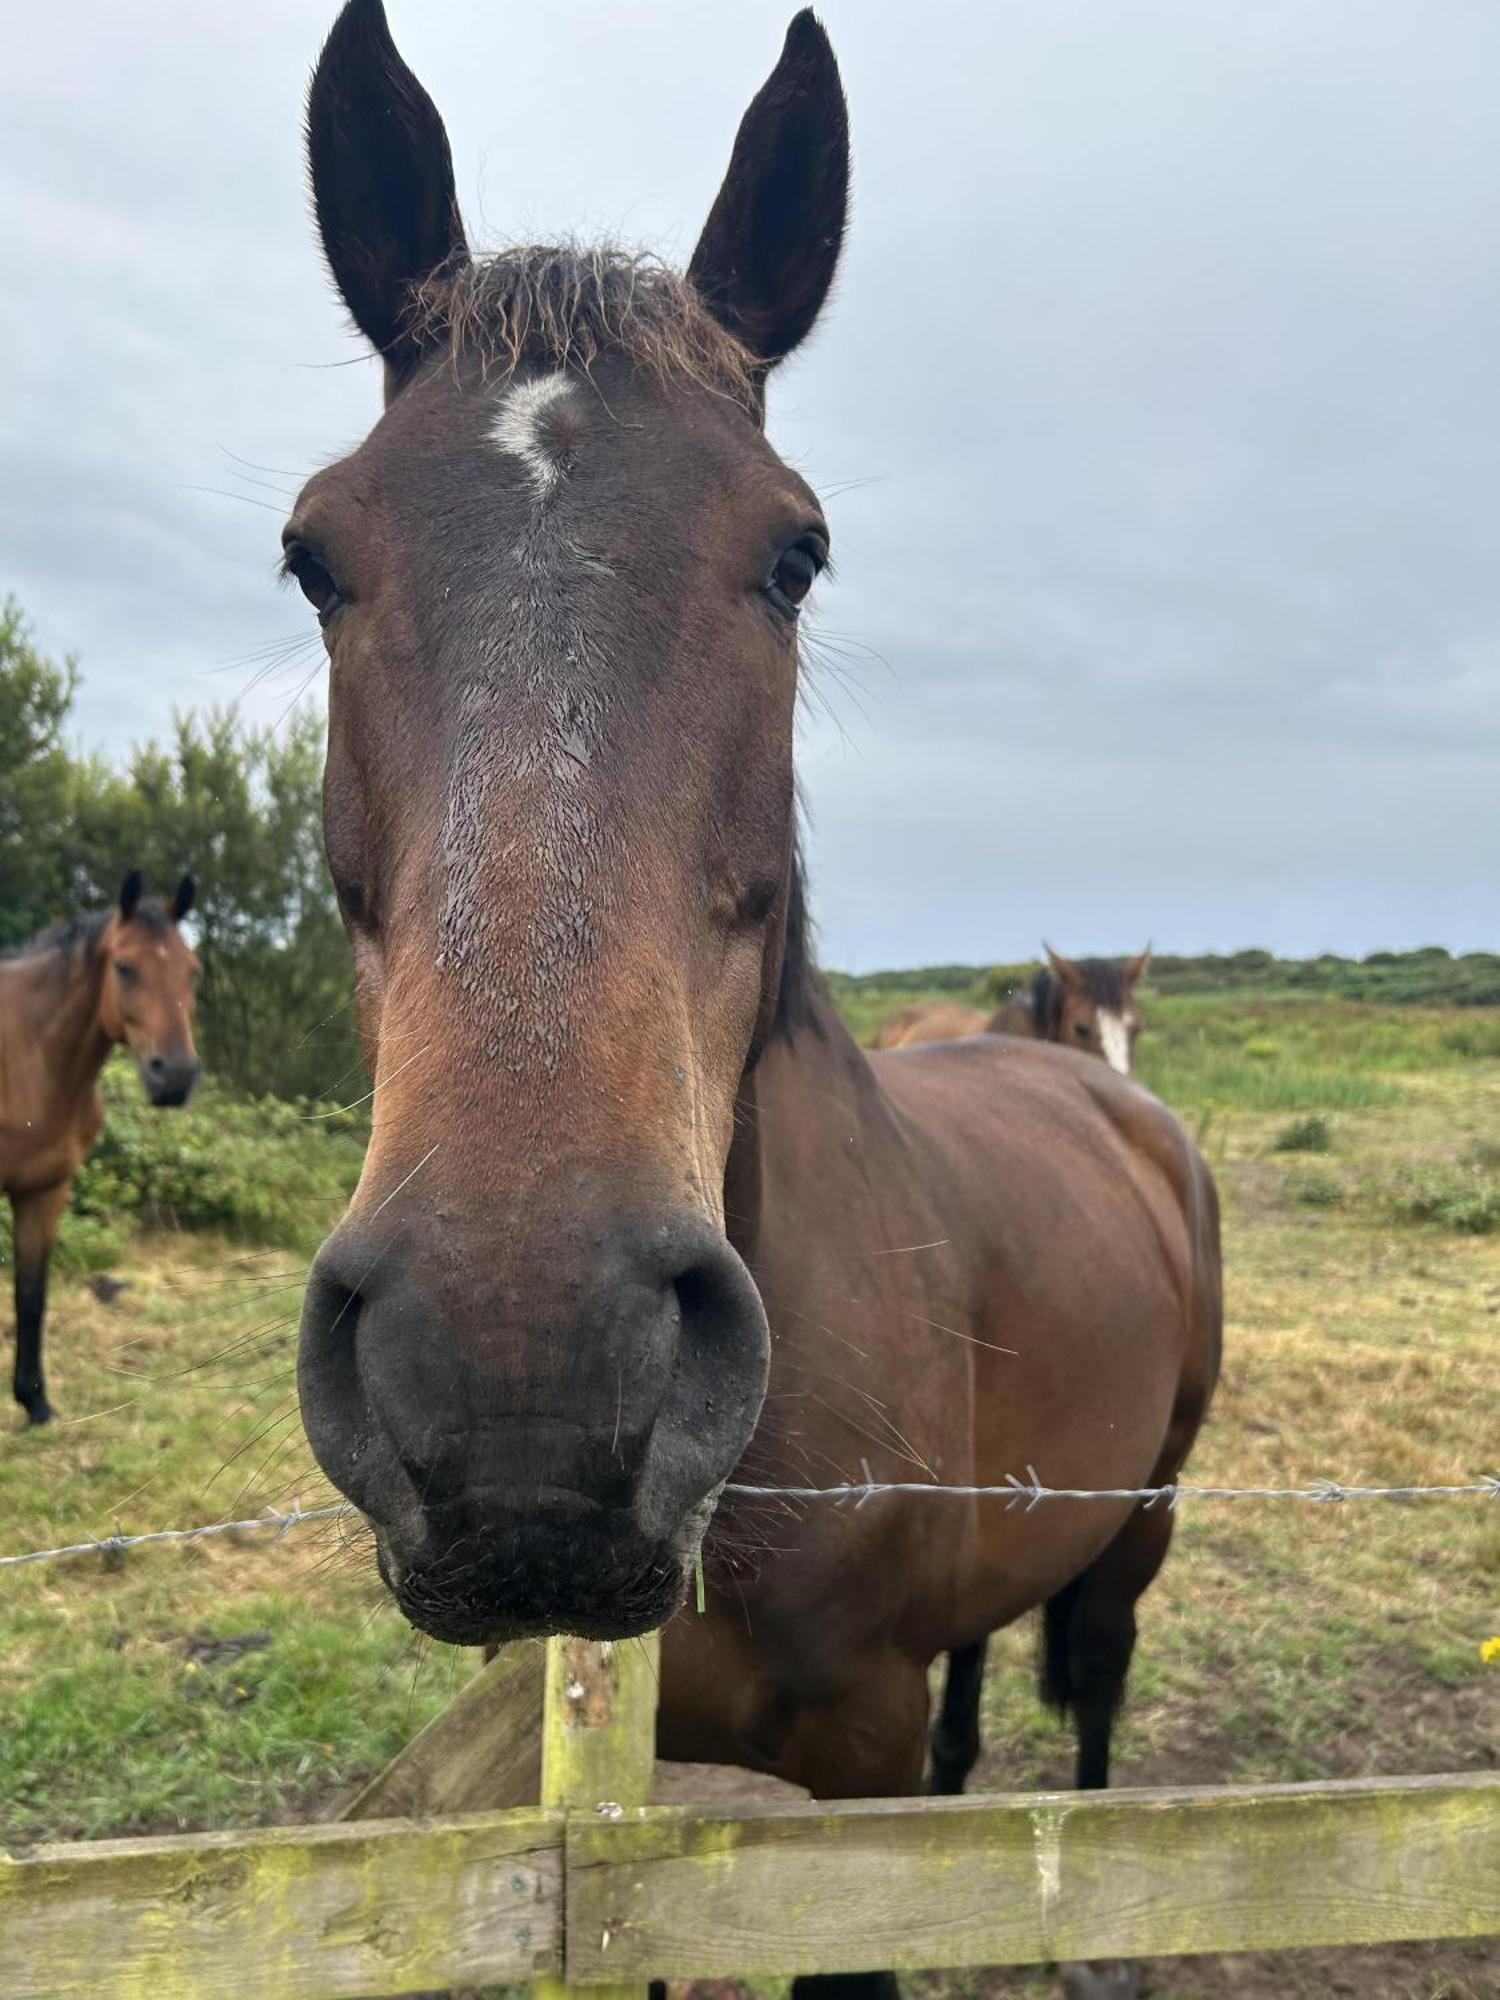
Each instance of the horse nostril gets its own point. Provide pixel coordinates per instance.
(703, 1303)
(722, 1333)
(156, 1068)
(340, 1308)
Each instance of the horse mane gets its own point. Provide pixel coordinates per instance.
(565, 305)
(1044, 998)
(79, 936)
(802, 993)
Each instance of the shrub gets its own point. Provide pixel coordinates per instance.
(1313, 1187)
(1312, 1134)
(1463, 1199)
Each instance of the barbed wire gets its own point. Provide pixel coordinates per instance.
(113, 1546)
(1026, 1493)
(1031, 1491)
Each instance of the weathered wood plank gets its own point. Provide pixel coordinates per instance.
(599, 1726)
(285, 1913)
(598, 1753)
(675, 1893)
(482, 1753)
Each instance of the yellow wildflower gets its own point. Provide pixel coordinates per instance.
(1489, 1651)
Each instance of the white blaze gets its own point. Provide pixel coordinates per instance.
(517, 426)
(1114, 1039)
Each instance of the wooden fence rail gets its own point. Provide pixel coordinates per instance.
(594, 1890)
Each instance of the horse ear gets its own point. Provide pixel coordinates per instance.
(182, 902)
(767, 254)
(1065, 969)
(382, 179)
(130, 894)
(1135, 968)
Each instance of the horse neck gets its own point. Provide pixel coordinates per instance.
(56, 1017)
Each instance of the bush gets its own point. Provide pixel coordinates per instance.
(1313, 1187)
(1464, 1199)
(1313, 1134)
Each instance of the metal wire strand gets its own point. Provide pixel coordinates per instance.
(115, 1545)
(1026, 1493)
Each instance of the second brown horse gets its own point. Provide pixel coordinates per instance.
(1086, 1003)
(119, 976)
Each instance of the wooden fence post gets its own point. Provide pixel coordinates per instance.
(599, 1749)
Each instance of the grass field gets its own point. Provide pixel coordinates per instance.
(1358, 1151)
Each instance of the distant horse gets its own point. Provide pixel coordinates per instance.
(618, 1124)
(1086, 1003)
(929, 1021)
(122, 975)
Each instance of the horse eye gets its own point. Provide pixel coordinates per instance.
(1080, 1031)
(796, 572)
(313, 580)
(126, 974)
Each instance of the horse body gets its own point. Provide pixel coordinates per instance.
(930, 1336)
(51, 1051)
(929, 1021)
(120, 976)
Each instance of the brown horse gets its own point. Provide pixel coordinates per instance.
(122, 975)
(648, 1220)
(1085, 1003)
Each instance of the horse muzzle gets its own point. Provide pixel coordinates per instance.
(537, 1450)
(169, 1080)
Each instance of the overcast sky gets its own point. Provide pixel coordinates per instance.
(1158, 410)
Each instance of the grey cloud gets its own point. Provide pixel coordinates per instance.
(1157, 410)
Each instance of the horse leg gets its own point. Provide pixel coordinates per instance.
(871, 1744)
(36, 1216)
(955, 1741)
(1088, 1637)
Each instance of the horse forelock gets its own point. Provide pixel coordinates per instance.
(1105, 983)
(565, 306)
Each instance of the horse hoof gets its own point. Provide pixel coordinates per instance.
(1105, 1979)
(38, 1413)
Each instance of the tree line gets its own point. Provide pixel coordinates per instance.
(238, 807)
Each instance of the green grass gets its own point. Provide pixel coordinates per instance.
(126, 1709)
(1297, 1055)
